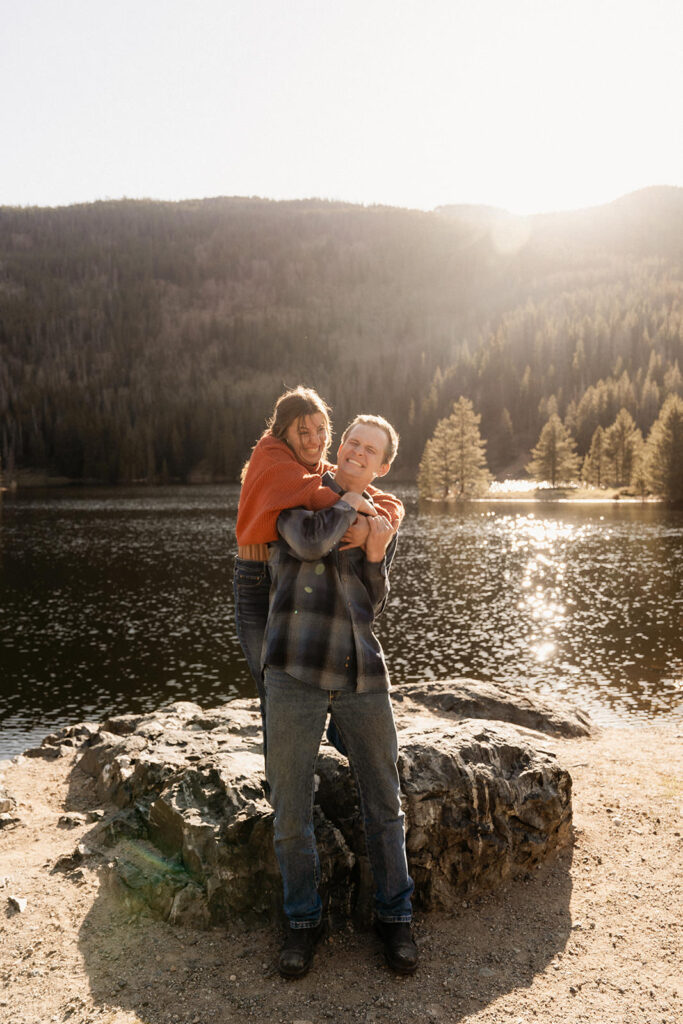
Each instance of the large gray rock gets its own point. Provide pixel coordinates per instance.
(191, 782)
(473, 698)
(483, 799)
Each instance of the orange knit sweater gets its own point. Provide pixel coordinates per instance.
(276, 480)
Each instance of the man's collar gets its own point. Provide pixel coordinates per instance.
(329, 481)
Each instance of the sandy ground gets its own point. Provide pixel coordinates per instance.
(593, 936)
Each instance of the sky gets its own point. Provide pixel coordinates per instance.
(529, 105)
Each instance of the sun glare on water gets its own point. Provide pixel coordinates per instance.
(544, 543)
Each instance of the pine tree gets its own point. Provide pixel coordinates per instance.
(664, 453)
(587, 418)
(467, 465)
(639, 477)
(454, 462)
(673, 380)
(547, 407)
(554, 458)
(431, 475)
(649, 404)
(620, 445)
(595, 463)
(570, 418)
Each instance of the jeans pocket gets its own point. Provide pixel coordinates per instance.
(250, 578)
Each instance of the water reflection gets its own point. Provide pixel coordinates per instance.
(123, 601)
(544, 544)
(565, 598)
(115, 603)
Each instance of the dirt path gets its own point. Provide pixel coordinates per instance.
(593, 937)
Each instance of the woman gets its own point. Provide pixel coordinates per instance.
(285, 471)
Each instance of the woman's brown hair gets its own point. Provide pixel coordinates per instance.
(293, 405)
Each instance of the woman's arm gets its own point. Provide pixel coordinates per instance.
(388, 505)
(275, 480)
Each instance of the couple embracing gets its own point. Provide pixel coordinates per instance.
(315, 542)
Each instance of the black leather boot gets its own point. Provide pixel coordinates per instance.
(399, 947)
(296, 956)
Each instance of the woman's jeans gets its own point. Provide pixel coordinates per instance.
(252, 591)
(251, 584)
(295, 718)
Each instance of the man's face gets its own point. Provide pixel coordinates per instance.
(361, 456)
(308, 437)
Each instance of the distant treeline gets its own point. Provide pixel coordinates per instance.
(148, 341)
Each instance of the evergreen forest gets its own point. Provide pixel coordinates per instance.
(147, 341)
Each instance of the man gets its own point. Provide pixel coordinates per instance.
(321, 654)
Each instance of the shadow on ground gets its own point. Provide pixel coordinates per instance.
(495, 944)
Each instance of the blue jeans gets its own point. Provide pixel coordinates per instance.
(295, 718)
(251, 586)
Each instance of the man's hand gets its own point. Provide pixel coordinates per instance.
(360, 503)
(380, 532)
(357, 533)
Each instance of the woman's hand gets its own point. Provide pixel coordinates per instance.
(360, 503)
(357, 533)
(380, 532)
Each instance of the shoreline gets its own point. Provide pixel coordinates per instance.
(520, 499)
(542, 496)
(593, 935)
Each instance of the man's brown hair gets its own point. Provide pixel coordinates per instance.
(377, 421)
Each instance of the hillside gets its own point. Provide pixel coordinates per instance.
(147, 340)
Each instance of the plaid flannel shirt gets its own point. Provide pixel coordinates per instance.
(323, 602)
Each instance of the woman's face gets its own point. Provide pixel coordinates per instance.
(307, 436)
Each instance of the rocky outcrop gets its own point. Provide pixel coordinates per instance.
(192, 834)
(59, 744)
(194, 840)
(473, 698)
(483, 801)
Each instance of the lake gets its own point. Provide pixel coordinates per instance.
(121, 600)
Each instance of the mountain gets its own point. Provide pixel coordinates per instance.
(148, 340)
